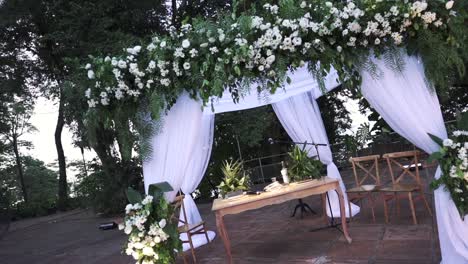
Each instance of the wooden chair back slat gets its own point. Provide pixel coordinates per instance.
(359, 163)
(394, 159)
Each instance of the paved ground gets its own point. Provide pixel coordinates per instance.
(267, 235)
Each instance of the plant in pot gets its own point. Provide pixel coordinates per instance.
(235, 181)
(302, 167)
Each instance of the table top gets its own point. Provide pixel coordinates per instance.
(290, 188)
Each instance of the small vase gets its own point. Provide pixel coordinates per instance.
(284, 173)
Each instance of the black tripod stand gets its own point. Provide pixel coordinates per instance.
(304, 207)
(332, 218)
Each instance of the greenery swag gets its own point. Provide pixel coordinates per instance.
(264, 41)
(453, 160)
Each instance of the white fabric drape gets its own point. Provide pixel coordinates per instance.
(174, 145)
(301, 118)
(406, 103)
(301, 81)
(195, 171)
(181, 151)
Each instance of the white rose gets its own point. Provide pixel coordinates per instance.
(186, 65)
(147, 251)
(129, 251)
(377, 41)
(138, 245)
(88, 66)
(135, 255)
(90, 74)
(162, 223)
(136, 49)
(88, 93)
(270, 59)
(339, 48)
(128, 229)
(185, 43)
(447, 142)
(449, 4)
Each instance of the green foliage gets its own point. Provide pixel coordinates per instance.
(462, 122)
(104, 192)
(235, 178)
(41, 185)
(301, 167)
(452, 158)
(133, 196)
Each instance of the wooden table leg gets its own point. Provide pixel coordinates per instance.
(343, 214)
(224, 236)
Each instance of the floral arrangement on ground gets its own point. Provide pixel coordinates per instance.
(453, 160)
(152, 235)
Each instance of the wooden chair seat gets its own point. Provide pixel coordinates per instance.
(190, 227)
(401, 187)
(360, 189)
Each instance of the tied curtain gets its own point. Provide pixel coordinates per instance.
(412, 109)
(301, 118)
(181, 152)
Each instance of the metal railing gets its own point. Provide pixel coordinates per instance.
(262, 169)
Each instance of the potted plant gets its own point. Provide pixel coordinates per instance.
(302, 167)
(235, 181)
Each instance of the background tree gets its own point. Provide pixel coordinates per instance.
(18, 125)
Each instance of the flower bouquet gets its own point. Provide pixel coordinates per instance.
(453, 160)
(152, 236)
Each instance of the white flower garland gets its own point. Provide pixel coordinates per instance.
(235, 52)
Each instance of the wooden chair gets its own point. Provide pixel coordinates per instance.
(366, 172)
(401, 189)
(185, 227)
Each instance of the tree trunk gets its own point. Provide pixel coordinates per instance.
(62, 188)
(19, 166)
(174, 11)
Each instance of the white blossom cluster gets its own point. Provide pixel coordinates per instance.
(342, 26)
(459, 148)
(142, 241)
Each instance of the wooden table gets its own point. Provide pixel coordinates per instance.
(293, 191)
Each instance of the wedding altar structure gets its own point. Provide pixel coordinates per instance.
(395, 53)
(182, 149)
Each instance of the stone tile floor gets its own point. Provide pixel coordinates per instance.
(267, 235)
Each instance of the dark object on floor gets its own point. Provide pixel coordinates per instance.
(108, 226)
(303, 206)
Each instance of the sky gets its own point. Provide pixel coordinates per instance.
(45, 118)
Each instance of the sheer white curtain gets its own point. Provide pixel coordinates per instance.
(301, 81)
(301, 118)
(409, 106)
(181, 151)
(174, 145)
(195, 171)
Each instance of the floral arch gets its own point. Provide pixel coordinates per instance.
(292, 51)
